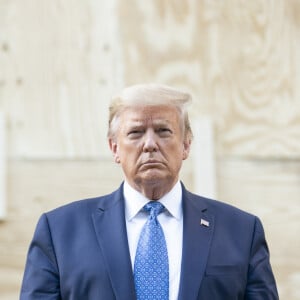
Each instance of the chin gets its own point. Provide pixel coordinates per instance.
(156, 179)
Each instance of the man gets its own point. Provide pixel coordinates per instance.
(109, 247)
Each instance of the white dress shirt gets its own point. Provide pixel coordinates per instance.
(171, 221)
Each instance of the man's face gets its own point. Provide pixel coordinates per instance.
(150, 146)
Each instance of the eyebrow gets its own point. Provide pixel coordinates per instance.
(162, 122)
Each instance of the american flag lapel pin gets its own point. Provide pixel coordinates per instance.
(204, 223)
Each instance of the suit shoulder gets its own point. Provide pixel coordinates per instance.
(81, 207)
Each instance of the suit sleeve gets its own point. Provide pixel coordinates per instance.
(41, 277)
(261, 282)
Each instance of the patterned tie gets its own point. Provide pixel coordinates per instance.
(151, 266)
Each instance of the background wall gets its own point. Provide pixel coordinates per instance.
(60, 62)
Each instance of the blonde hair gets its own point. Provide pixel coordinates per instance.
(152, 95)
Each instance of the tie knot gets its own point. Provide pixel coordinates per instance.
(154, 207)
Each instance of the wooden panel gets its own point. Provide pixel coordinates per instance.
(59, 66)
(61, 61)
(3, 197)
(270, 190)
(240, 59)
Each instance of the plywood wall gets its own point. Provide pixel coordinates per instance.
(61, 60)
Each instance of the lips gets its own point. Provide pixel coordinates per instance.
(152, 163)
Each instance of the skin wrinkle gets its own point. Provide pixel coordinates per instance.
(114, 124)
(150, 146)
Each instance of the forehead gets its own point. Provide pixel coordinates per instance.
(154, 114)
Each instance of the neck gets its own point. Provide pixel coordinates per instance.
(154, 191)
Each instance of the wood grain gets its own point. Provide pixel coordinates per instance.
(61, 61)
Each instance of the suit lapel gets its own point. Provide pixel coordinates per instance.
(110, 227)
(198, 228)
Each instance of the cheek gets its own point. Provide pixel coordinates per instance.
(178, 154)
(127, 153)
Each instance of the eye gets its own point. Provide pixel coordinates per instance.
(164, 131)
(135, 133)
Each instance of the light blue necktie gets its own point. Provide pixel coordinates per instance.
(151, 265)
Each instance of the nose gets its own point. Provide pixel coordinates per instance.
(150, 142)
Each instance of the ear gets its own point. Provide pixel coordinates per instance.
(113, 145)
(186, 148)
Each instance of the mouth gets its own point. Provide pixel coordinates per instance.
(152, 163)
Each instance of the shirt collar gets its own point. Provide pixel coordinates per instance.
(134, 201)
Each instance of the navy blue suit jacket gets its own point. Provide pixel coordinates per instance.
(80, 251)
